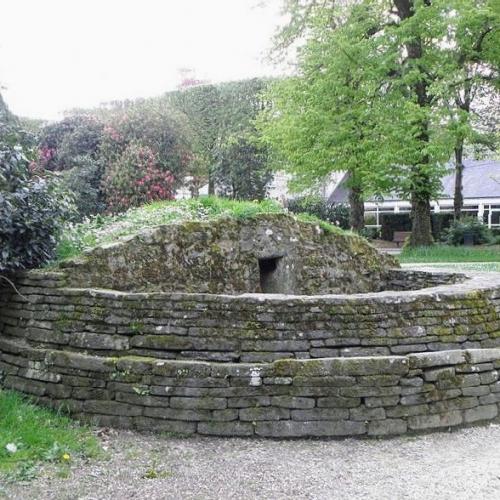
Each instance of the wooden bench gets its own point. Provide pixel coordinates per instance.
(400, 236)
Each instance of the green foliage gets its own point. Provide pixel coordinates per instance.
(376, 93)
(370, 233)
(84, 181)
(243, 171)
(313, 219)
(62, 142)
(220, 119)
(468, 227)
(337, 214)
(150, 123)
(32, 208)
(108, 228)
(37, 434)
(447, 253)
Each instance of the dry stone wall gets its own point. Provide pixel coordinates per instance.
(375, 396)
(256, 364)
(253, 327)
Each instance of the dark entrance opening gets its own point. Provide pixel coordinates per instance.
(269, 279)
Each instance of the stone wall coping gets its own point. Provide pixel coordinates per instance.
(475, 282)
(362, 365)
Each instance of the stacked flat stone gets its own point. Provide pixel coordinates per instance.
(254, 364)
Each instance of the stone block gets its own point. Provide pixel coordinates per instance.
(387, 427)
(141, 399)
(112, 408)
(320, 414)
(482, 355)
(342, 366)
(99, 341)
(327, 381)
(205, 403)
(264, 413)
(366, 391)
(363, 413)
(439, 373)
(489, 377)
(338, 402)
(294, 402)
(479, 390)
(278, 381)
(226, 428)
(486, 412)
(421, 422)
(491, 398)
(248, 402)
(439, 358)
(315, 428)
(374, 402)
(174, 426)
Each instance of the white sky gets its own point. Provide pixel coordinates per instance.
(60, 54)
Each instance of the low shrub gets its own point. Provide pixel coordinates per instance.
(336, 214)
(468, 226)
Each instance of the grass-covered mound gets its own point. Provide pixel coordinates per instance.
(30, 434)
(104, 229)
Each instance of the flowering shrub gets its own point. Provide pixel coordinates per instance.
(136, 178)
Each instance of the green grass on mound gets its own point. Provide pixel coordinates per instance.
(30, 434)
(446, 253)
(103, 229)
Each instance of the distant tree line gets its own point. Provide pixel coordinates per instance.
(132, 152)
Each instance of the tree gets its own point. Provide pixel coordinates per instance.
(202, 106)
(473, 66)
(243, 172)
(328, 117)
(220, 117)
(400, 139)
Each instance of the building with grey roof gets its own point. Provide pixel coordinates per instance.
(481, 192)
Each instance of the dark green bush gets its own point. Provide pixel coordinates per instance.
(440, 223)
(337, 214)
(370, 233)
(479, 232)
(85, 181)
(32, 211)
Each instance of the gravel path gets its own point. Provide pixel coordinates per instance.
(464, 464)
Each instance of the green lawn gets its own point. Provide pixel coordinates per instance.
(446, 254)
(30, 434)
(462, 266)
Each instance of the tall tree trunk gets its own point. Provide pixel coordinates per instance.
(458, 198)
(421, 228)
(463, 102)
(211, 183)
(357, 206)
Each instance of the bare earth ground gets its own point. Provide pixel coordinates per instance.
(464, 464)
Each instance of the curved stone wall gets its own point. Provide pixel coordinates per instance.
(374, 396)
(121, 358)
(254, 327)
